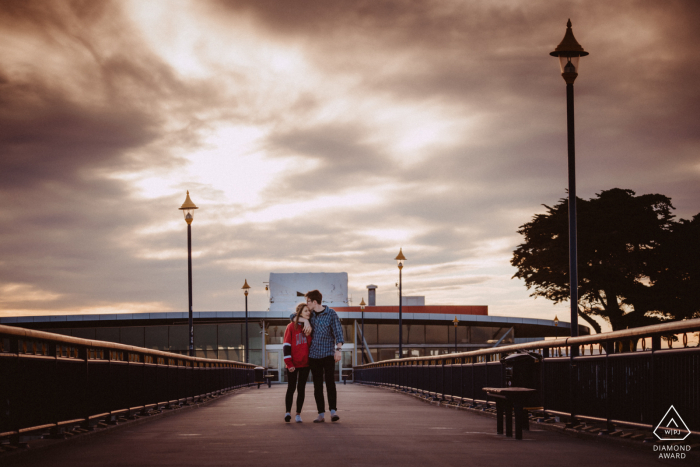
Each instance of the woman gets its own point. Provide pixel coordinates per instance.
(296, 357)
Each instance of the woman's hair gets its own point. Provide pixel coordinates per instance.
(300, 308)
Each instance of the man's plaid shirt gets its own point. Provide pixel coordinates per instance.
(327, 332)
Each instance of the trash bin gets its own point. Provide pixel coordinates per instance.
(524, 370)
(260, 375)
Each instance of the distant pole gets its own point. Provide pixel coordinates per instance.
(245, 288)
(400, 258)
(455, 322)
(187, 209)
(189, 286)
(362, 343)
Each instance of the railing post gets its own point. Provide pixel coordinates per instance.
(608, 371)
(14, 380)
(573, 379)
(655, 346)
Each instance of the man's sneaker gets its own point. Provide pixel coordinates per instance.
(287, 418)
(298, 418)
(335, 418)
(319, 419)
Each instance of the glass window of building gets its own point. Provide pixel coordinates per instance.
(462, 335)
(178, 339)
(235, 355)
(436, 352)
(205, 337)
(388, 334)
(275, 333)
(107, 334)
(132, 335)
(255, 356)
(349, 333)
(370, 333)
(157, 337)
(255, 338)
(484, 334)
(230, 336)
(436, 333)
(414, 334)
(388, 354)
(84, 333)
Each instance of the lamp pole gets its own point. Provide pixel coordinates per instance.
(362, 344)
(569, 51)
(456, 322)
(245, 288)
(400, 258)
(187, 209)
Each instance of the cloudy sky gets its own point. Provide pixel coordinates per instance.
(320, 136)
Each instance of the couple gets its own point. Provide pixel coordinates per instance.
(312, 342)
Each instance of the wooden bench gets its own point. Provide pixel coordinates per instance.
(507, 400)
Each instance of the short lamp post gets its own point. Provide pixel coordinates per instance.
(245, 292)
(569, 51)
(556, 327)
(455, 322)
(400, 260)
(187, 209)
(362, 344)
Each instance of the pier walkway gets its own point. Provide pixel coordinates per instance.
(377, 428)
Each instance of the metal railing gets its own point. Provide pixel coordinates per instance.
(50, 382)
(626, 379)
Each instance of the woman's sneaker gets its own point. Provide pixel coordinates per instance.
(298, 419)
(287, 418)
(319, 419)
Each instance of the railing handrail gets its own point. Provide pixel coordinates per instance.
(70, 340)
(673, 327)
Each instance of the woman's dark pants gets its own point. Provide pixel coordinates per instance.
(323, 368)
(297, 379)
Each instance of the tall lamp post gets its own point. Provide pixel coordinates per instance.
(187, 209)
(569, 51)
(245, 292)
(400, 259)
(456, 322)
(362, 344)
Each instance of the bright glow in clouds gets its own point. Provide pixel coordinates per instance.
(320, 136)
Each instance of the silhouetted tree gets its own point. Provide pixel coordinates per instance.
(676, 271)
(636, 266)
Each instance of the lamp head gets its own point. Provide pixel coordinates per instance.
(400, 258)
(556, 320)
(362, 304)
(569, 51)
(188, 208)
(245, 287)
(455, 321)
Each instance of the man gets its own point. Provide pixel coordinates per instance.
(324, 351)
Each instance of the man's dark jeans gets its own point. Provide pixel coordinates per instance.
(323, 368)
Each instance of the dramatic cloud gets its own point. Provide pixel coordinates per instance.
(320, 136)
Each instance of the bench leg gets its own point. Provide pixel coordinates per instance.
(519, 411)
(509, 419)
(526, 420)
(499, 418)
